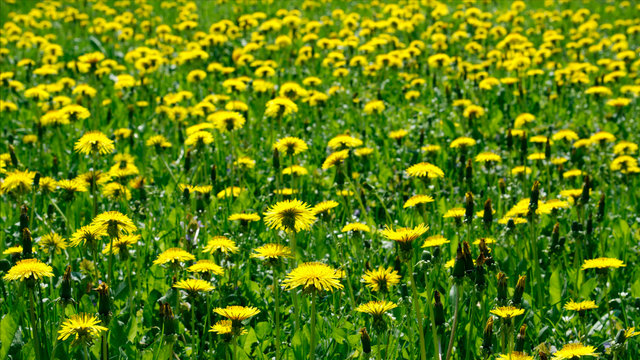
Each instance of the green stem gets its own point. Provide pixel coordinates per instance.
(110, 279)
(455, 322)
(276, 298)
(434, 330)
(193, 329)
(472, 305)
(34, 326)
(312, 349)
(416, 306)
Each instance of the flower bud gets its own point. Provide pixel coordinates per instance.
(185, 195)
(519, 346)
(519, 291)
(104, 301)
(468, 260)
(468, 207)
(36, 180)
(586, 188)
(502, 186)
(12, 156)
(543, 355)
(168, 320)
(502, 286)
(535, 197)
(509, 140)
(487, 338)
(547, 149)
(589, 224)
(187, 161)
(366, 341)
(481, 282)
(213, 174)
(468, 175)
(621, 337)
(459, 266)
(24, 218)
(27, 249)
(276, 160)
(66, 290)
(487, 216)
(523, 145)
(600, 214)
(438, 309)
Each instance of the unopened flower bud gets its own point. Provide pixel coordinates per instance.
(187, 161)
(481, 282)
(586, 188)
(519, 346)
(487, 337)
(487, 215)
(366, 341)
(276, 160)
(509, 140)
(459, 266)
(36, 179)
(27, 249)
(213, 175)
(502, 286)
(600, 214)
(468, 174)
(468, 260)
(104, 301)
(535, 197)
(589, 224)
(65, 289)
(502, 186)
(547, 149)
(438, 309)
(468, 207)
(12, 156)
(519, 290)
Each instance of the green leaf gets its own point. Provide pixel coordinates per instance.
(8, 329)
(263, 329)
(587, 288)
(339, 335)
(555, 287)
(635, 289)
(86, 305)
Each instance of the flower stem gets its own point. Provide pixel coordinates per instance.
(312, 352)
(34, 325)
(416, 306)
(276, 299)
(472, 305)
(193, 329)
(434, 330)
(455, 322)
(110, 280)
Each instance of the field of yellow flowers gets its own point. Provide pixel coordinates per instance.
(317, 179)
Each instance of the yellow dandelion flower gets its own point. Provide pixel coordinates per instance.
(193, 286)
(356, 227)
(381, 279)
(376, 308)
(272, 251)
(206, 266)
(507, 312)
(85, 327)
(574, 351)
(29, 269)
(335, 159)
(291, 146)
(602, 263)
(173, 255)
(313, 276)
(94, 142)
(425, 169)
(289, 215)
(418, 199)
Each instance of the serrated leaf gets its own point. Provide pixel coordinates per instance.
(555, 288)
